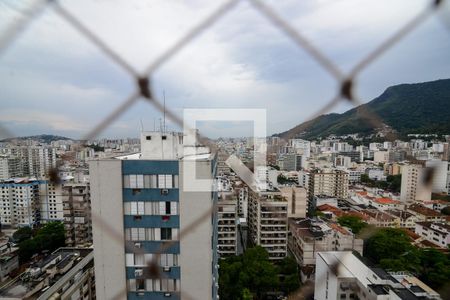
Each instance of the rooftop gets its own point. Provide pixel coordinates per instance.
(420, 209)
(47, 273)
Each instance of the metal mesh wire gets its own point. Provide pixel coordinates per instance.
(144, 92)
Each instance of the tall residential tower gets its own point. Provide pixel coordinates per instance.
(155, 238)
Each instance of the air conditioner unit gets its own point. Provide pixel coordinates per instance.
(167, 294)
(164, 192)
(166, 269)
(137, 245)
(138, 272)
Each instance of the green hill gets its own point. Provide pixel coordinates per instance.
(406, 108)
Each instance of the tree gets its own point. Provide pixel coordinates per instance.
(281, 179)
(353, 222)
(289, 279)
(434, 267)
(446, 210)
(49, 237)
(247, 295)
(365, 178)
(395, 182)
(252, 271)
(260, 275)
(22, 234)
(387, 243)
(391, 249)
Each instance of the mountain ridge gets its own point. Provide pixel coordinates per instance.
(406, 108)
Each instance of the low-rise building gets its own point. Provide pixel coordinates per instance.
(67, 273)
(437, 233)
(403, 219)
(379, 218)
(342, 275)
(425, 214)
(309, 236)
(8, 263)
(383, 203)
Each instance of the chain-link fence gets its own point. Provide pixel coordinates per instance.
(143, 80)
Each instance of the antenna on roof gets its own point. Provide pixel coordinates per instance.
(142, 126)
(164, 119)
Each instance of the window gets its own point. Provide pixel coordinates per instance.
(166, 234)
(133, 181)
(148, 137)
(136, 208)
(139, 260)
(140, 284)
(164, 137)
(137, 234)
(166, 181)
(129, 259)
(168, 260)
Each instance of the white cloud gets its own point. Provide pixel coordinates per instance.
(242, 61)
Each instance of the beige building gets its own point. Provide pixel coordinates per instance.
(227, 217)
(77, 214)
(413, 184)
(267, 221)
(310, 236)
(297, 198)
(332, 183)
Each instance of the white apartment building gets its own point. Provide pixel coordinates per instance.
(37, 161)
(10, 167)
(381, 156)
(267, 221)
(342, 275)
(302, 147)
(28, 202)
(413, 187)
(51, 202)
(147, 200)
(437, 233)
(20, 203)
(310, 236)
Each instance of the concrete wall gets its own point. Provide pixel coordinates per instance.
(107, 227)
(196, 245)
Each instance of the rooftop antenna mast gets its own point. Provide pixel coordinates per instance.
(142, 126)
(164, 119)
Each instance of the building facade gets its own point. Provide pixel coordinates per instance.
(142, 200)
(414, 187)
(267, 222)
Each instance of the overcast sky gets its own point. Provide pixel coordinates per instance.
(52, 80)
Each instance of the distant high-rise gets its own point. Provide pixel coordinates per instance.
(32, 161)
(332, 183)
(414, 187)
(140, 211)
(268, 221)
